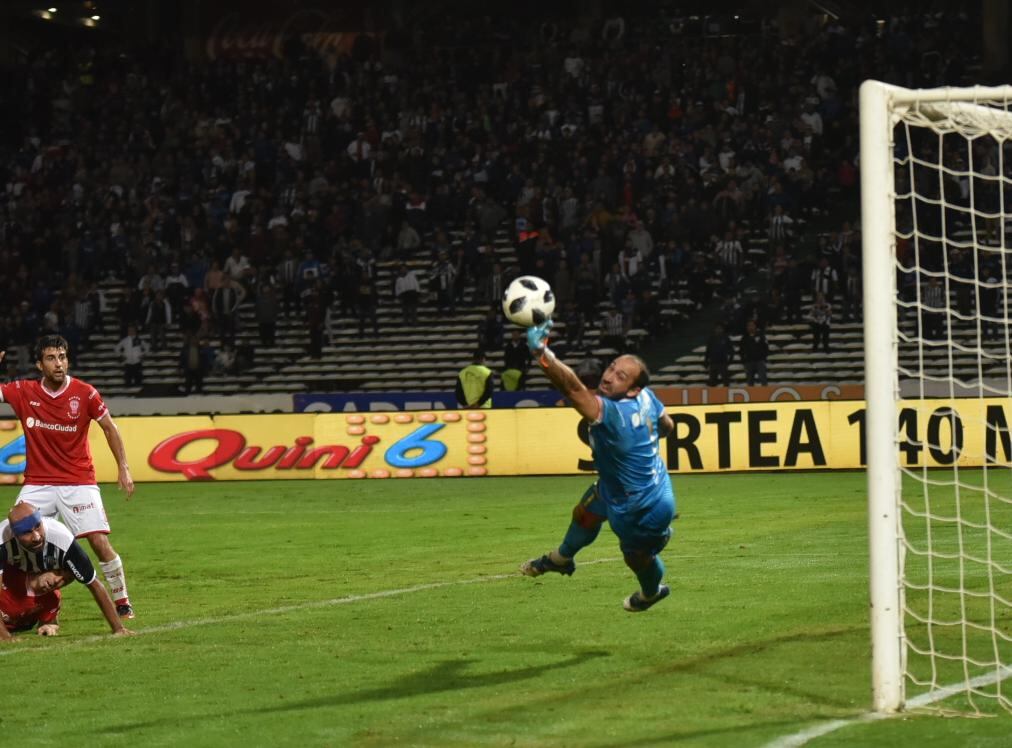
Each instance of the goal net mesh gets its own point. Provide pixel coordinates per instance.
(953, 183)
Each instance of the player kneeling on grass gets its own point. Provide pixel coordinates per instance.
(633, 491)
(38, 556)
(30, 600)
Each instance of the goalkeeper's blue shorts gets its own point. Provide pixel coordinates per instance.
(646, 530)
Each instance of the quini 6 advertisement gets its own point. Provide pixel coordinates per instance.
(545, 441)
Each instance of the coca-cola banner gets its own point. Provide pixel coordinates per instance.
(238, 36)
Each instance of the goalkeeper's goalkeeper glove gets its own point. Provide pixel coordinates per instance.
(537, 338)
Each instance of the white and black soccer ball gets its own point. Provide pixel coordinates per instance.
(528, 301)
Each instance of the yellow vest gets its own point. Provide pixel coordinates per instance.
(511, 379)
(472, 381)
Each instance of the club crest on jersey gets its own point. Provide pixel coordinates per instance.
(75, 407)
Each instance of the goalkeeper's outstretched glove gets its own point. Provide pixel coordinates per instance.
(537, 338)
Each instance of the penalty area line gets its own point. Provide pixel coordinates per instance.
(292, 608)
(801, 738)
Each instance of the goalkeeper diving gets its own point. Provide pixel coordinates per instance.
(633, 491)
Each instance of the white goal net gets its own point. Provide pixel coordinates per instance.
(936, 184)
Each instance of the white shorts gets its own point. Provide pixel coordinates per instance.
(80, 507)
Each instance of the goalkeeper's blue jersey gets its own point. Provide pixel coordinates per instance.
(626, 447)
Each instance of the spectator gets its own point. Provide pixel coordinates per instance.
(225, 307)
(407, 240)
(935, 309)
(630, 310)
(309, 271)
(224, 361)
(151, 280)
(781, 226)
(267, 310)
(83, 315)
(516, 361)
(641, 241)
(132, 349)
(717, 360)
(157, 318)
(731, 256)
(238, 268)
(649, 314)
(575, 325)
(407, 290)
(199, 317)
(754, 353)
(990, 296)
(699, 281)
(794, 285)
(315, 310)
(177, 287)
(474, 384)
(820, 316)
(631, 263)
(589, 371)
(617, 283)
(367, 303)
(496, 284)
(442, 281)
(585, 288)
(852, 290)
(824, 279)
(490, 331)
(288, 276)
(613, 335)
(193, 363)
(214, 278)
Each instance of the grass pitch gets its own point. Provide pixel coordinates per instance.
(375, 613)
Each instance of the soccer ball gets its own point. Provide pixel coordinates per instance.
(528, 301)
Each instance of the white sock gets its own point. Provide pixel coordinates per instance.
(558, 559)
(116, 579)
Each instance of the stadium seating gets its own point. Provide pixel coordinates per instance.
(425, 356)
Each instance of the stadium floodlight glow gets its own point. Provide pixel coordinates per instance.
(96, 17)
(52, 10)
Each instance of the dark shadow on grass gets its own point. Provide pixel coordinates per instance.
(674, 738)
(701, 665)
(452, 675)
(444, 676)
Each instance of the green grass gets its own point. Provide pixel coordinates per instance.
(376, 613)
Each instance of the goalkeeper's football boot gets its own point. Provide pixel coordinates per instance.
(636, 603)
(125, 610)
(538, 566)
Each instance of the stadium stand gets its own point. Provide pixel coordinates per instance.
(678, 157)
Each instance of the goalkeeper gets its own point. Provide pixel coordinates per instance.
(633, 490)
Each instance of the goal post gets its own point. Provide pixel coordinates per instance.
(937, 327)
(881, 394)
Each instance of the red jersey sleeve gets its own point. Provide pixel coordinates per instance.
(12, 394)
(96, 406)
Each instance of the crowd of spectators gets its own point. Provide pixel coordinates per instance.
(629, 159)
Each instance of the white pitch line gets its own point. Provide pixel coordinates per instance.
(294, 608)
(799, 739)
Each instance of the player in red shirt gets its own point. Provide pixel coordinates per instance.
(27, 600)
(55, 413)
